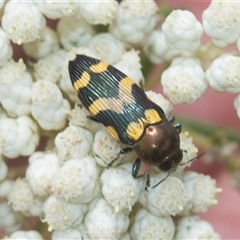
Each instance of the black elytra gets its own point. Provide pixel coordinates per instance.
(117, 102)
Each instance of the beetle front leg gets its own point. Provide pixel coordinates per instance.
(122, 151)
(135, 169)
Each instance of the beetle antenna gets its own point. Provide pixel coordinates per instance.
(191, 160)
(173, 170)
(169, 173)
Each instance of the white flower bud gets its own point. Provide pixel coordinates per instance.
(221, 22)
(46, 43)
(148, 226)
(74, 32)
(160, 101)
(105, 149)
(18, 136)
(223, 74)
(57, 9)
(5, 188)
(77, 181)
(106, 47)
(78, 117)
(191, 227)
(50, 67)
(119, 187)
(5, 48)
(60, 215)
(26, 235)
(131, 66)
(71, 233)
(3, 169)
(184, 81)
(142, 18)
(22, 21)
(189, 149)
(10, 221)
(42, 170)
(237, 105)
(15, 88)
(156, 48)
(182, 31)
(168, 198)
(98, 11)
(22, 199)
(102, 222)
(73, 142)
(49, 108)
(201, 192)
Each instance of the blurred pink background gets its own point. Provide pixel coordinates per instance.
(215, 108)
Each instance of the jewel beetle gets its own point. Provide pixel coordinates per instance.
(116, 101)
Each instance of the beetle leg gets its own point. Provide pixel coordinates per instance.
(178, 127)
(92, 118)
(171, 119)
(122, 151)
(135, 169)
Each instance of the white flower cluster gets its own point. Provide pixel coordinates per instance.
(64, 180)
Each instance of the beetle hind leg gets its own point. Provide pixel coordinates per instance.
(123, 151)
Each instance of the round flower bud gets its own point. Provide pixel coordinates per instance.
(49, 68)
(5, 188)
(201, 192)
(15, 88)
(221, 22)
(41, 171)
(22, 21)
(10, 220)
(184, 81)
(167, 198)
(106, 47)
(73, 142)
(26, 235)
(77, 181)
(22, 199)
(119, 187)
(191, 227)
(148, 226)
(46, 43)
(57, 9)
(142, 17)
(156, 48)
(98, 11)
(71, 233)
(74, 32)
(223, 74)
(60, 215)
(49, 108)
(102, 222)
(18, 136)
(182, 31)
